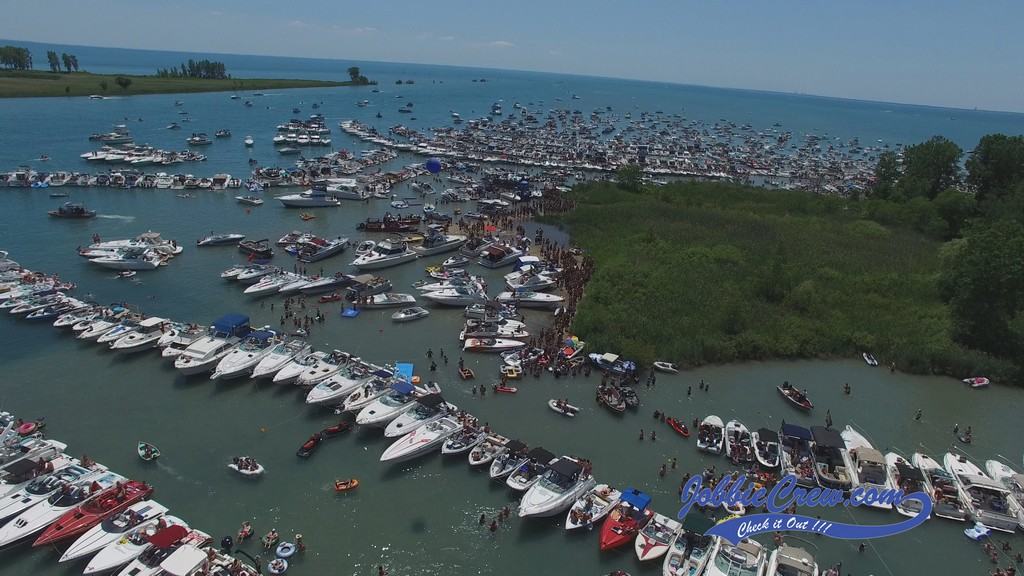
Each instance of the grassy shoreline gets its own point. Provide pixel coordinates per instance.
(711, 273)
(36, 83)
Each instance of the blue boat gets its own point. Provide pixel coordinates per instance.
(228, 325)
(613, 364)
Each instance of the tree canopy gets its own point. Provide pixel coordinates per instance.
(207, 69)
(15, 57)
(929, 168)
(995, 168)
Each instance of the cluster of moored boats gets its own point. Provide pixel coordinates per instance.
(147, 251)
(105, 519)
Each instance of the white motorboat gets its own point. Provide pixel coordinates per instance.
(689, 554)
(17, 477)
(528, 473)
(410, 314)
(130, 260)
(142, 241)
(484, 452)
(491, 344)
(791, 561)
(942, 487)
(766, 448)
(1012, 481)
(421, 440)
(458, 296)
(271, 284)
(42, 487)
(132, 544)
(464, 441)
(564, 482)
(499, 256)
(302, 362)
(496, 329)
(349, 377)
(508, 458)
(903, 475)
(114, 528)
(203, 354)
(321, 248)
(125, 327)
(389, 300)
(385, 254)
(324, 368)
(233, 272)
(530, 299)
(69, 319)
(249, 200)
(61, 500)
(328, 284)
(656, 537)
(280, 356)
(592, 506)
(439, 243)
(832, 465)
(165, 543)
(428, 408)
(386, 408)
(527, 282)
(145, 337)
(867, 465)
(747, 558)
(220, 239)
(666, 367)
(253, 274)
(310, 199)
(298, 284)
(987, 501)
(362, 396)
(243, 358)
(738, 444)
(711, 435)
(178, 338)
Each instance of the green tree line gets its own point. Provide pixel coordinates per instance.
(69, 61)
(13, 57)
(206, 69)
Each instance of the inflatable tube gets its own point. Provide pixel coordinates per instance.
(27, 428)
(415, 379)
(285, 550)
(277, 566)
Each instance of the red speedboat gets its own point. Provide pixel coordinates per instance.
(111, 501)
(626, 520)
(679, 427)
(796, 397)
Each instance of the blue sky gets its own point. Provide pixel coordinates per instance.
(937, 52)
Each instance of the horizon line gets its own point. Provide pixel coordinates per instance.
(553, 73)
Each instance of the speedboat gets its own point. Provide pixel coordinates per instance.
(327, 284)
(987, 501)
(163, 544)
(656, 537)
(220, 239)
(353, 376)
(320, 248)
(69, 319)
(867, 465)
(690, 551)
(241, 359)
(737, 442)
(428, 408)
(791, 561)
(108, 503)
(491, 344)
(797, 459)
(1012, 480)
(498, 256)
(149, 535)
(942, 487)
(421, 440)
(410, 314)
(484, 452)
(23, 447)
(68, 305)
(906, 477)
(464, 440)
(302, 362)
(389, 300)
(439, 243)
(42, 487)
(530, 299)
(766, 448)
(457, 261)
(62, 497)
(280, 356)
(362, 396)
(203, 354)
(179, 338)
(128, 325)
(525, 282)
(253, 274)
(529, 471)
(142, 241)
(458, 296)
(385, 254)
(832, 466)
(145, 337)
(310, 199)
(626, 519)
(298, 284)
(271, 284)
(796, 397)
(130, 260)
(613, 364)
(386, 408)
(666, 367)
(564, 482)
(710, 435)
(748, 558)
(507, 459)
(138, 515)
(324, 368)
(15, 477)
(592, 506)
(503, 329)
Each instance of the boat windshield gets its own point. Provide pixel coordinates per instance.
(41, 486)
(395, 399)
(68, 496)
(732, 561)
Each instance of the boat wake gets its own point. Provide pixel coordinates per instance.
(116, 217)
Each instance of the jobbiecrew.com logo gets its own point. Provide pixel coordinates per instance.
(786, 493)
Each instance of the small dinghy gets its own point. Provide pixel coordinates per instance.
(246, 466)
(500, 388)
(869, 359)
(679, 426)
(610, 397)
(126, 274)
(285, 550)
(796, 397)
(336, 297)
(457, 261)
(410, 314)
(147, 451)
(977, 382)
(277, 566)
(666, 367)
(346, 485)
(563, 407)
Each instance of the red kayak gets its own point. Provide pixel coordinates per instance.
(678, 427)
(626, 520)
(110, 502)
(506, 389)
(330, 298)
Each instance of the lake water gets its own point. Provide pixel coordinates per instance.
(418, 517)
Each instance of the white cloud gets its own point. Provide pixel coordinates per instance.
(501, 44)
